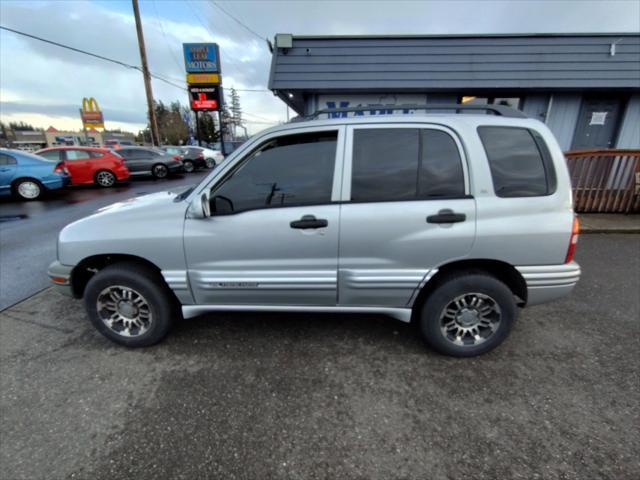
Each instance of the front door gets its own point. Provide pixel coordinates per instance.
(597, 123)
(8, 167)
(78, 163)
(406, 211)
(272, 237)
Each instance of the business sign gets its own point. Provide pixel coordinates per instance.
(90, 113)
(201, 57)
(204, 97)
(203, 78)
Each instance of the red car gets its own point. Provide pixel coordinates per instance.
(88, 165)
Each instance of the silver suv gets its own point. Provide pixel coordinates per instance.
(448, 220)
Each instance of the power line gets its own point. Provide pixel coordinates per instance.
(91, 54)
(239, 22)
(164, 34)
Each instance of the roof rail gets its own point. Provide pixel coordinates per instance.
(501, 110)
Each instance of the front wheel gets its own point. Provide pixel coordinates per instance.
(130, 305)
(28, 189)
(467, 315)
(105, 179)
(210, 162)
(160, 171)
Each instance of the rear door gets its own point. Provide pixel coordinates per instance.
(406, 210)
(8, 168)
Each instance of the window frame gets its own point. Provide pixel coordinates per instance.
(348, 160)
(219, 176)
(548, 166)
(67, 159)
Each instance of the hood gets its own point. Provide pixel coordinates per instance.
(144, 201)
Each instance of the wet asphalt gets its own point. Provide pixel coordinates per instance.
(299, 396)
(28, 230)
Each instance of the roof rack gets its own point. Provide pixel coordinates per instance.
(501, 110)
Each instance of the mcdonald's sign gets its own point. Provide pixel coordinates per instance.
(91, 115)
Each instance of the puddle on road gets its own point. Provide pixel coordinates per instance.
(12, 218)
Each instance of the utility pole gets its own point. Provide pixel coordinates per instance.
(153, 122)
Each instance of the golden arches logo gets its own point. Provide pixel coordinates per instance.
(90, 105)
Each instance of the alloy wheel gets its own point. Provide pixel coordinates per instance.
(188, 167)
(160, 171)
(470, 319)
(124, 311)
(105, 179)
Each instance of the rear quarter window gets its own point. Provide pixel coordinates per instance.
(520, 162)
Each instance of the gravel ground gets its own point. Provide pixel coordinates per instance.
(324, 396)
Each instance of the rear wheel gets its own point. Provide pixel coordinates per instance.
(130, 305)
(105, 179)
(467, 315)
(28, 189)
(188, 166)
(160, 171)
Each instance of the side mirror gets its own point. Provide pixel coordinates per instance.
(199, 207)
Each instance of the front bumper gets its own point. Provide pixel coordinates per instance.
(60, 276)
(176, 167)
(546, 283)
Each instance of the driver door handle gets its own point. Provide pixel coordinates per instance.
(309, 221)
(446, 216)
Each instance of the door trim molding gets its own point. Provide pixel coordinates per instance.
(402, 314)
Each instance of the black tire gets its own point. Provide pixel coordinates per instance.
(160, 170)
(488, 292)
(149, 285)
(210, 163)
(28, 189)
(188, 166)
(105, 178)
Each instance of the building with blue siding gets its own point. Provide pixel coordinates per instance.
(585, 87)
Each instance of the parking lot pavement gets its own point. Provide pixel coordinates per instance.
(301, 396)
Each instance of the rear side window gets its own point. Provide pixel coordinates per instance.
(77, 154)
(51, 155)
(520, 162)
(7, 159)
(391, 164)
(96, 154)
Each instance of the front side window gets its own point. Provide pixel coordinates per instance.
(391, 164)
(285, 171)
(520, 164)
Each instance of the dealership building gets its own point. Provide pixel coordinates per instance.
(585, 87)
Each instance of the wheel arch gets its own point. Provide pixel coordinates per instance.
(15, 181)
(503, 271)
(88, 267)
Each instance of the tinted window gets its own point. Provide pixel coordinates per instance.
(516, 162)
(7, 159)
(385, 164)
(51, 155)
(440, 172)
(96, 154)
(286, 171)
(405, 164)
(127, 154)
(77, 155)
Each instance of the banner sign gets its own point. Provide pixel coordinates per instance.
(203, 78)
(201, 57)
(90, 113)
(204, 98)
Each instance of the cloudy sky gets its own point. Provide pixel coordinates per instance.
(44, 84)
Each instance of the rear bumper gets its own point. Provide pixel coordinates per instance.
(546, 283)
(60, 276)
(122, 174)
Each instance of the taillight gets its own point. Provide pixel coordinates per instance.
(61, 168)
(201, 156)
(575, 232)
(177, 157)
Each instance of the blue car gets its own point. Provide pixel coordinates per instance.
(29, 176)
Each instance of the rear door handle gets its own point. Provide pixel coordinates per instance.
(309, 221)
(446, 216)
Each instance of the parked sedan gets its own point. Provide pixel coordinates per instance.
(194, 157)
(87, 165)
(149, 160)
(28, 176)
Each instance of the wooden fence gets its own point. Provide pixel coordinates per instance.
(605, 181)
